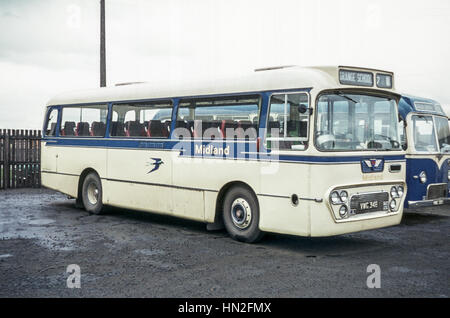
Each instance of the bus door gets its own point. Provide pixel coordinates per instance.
(284, 179)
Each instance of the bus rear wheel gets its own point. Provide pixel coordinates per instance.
(92, 194)
(241, 215)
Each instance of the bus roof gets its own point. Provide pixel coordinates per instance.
(292, 77)
(409, 103)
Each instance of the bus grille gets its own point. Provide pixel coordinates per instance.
(436, 191)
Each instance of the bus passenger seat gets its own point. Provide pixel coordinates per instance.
(117, 129)
(134, 129)
(69, 128)
(183, 124)
(248, 130)
(98, 129)
(155, 128)
(227, 124)
(83, 129)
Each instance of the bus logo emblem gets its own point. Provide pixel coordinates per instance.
(157, 163)
(372, 165)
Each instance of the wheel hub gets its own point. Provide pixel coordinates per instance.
(92, 193)
(241, 213)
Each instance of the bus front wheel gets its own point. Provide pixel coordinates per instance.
(241, 215)
(92, 194)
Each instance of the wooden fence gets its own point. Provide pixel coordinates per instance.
(20, 159)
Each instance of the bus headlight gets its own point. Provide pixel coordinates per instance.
(394, 193)
(344, 196)
(339, 197)
(423, 177)
(343, 211)
(393, 205)
(400, 191)
(335, 199)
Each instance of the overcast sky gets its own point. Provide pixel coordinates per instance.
(51, 46)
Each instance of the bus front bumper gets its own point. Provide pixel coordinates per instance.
(428, 203)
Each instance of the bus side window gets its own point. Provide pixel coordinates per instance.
(70, 118)
(231, 117)
(150, 119)
(94, 117)
(52, 119)
(288, 122)
(84, 121)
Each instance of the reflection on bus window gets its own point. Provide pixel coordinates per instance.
(402, 132)
(287, 127)
(52, 119)
(443, 133)
(219, 118)
(84, 121)
(424, 136)
(356, 122)
(143, 119)
(429, 107)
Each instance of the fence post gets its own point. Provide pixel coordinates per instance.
(39, 158)
(12, 159)
(2, 155)
(6, 154)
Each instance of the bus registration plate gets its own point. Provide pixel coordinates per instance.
(363, 203)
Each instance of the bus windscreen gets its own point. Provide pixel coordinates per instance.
(356, 122)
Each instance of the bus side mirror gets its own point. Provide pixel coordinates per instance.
(302, 108)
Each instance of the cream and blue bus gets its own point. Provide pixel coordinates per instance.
(427, 143)
(306, 151)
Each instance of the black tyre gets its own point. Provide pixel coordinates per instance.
(241, 215)
(92, 194)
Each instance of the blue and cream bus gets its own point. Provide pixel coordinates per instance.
(309, 151)
(427, 144)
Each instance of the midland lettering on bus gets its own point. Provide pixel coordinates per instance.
(426, 139)
(303, 151)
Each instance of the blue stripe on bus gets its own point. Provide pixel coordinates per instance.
(237, 150)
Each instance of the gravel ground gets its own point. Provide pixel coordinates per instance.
(133, 254)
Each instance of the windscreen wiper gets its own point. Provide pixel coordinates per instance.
(346, 97)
